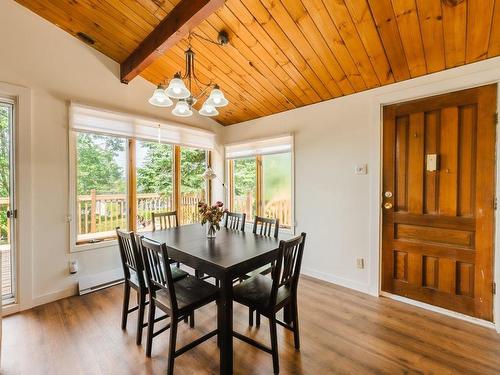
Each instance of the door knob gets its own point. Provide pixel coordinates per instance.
(388, 205)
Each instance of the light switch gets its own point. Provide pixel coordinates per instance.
(360, 169)
(431, 162)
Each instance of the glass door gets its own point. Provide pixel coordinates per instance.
(7, 210)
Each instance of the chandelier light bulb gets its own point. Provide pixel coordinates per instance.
(216, 98)
(177, 89)
(160, 98)
(182, 109)
(208, 110)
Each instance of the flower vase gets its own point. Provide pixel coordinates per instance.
(211, 231)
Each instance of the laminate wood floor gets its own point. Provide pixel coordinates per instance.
(342, 332)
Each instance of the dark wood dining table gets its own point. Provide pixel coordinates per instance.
(230, 255)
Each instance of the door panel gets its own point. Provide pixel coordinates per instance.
(438, 218)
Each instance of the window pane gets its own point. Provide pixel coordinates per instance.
(245, 185)
(154, 162)
(193, 186)
(277, 187)
(7, 230)
(101, 186)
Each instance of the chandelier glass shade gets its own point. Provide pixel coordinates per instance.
(208, 110)
(181, 88)
(182, 109)
(160, 98)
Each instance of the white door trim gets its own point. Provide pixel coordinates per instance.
(452, 80)
(23, 185)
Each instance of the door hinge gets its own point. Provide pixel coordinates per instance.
(12, 214)
(495, 118)
(494, 288)
(495, 203)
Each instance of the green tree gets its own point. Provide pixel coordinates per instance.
(98, 167)
(193, 164)
(244, 176)
(4, 168)
(155, 173)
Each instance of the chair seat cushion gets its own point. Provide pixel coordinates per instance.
(190, 292)
(177, 274)
(255, 292)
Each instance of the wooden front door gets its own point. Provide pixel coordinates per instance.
(438, 200)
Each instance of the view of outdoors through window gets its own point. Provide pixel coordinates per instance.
(193, 186)
(155, 187)
(277, 187)
(5, 180)
(102, 198)
(101, 185)
(245, 187)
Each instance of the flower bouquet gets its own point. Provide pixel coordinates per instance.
(211, 215)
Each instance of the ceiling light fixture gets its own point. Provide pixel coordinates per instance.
(181, 87)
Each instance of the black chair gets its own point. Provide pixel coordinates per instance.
(178, 300)
(166, 220)
(268, 228)
(233, 220)
(133, 270)
(269, 295)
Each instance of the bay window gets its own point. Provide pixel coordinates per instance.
(124, 168)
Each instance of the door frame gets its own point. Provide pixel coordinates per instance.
(422, 89)
(23, 196)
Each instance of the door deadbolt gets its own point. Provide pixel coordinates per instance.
(388, 194)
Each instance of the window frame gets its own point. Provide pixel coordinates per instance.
(260, 187)
(131, 191)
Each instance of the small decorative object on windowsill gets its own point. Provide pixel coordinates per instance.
(211, 215)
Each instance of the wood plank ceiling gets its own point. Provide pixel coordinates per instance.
(284, 54)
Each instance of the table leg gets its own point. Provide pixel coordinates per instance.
(225, 325)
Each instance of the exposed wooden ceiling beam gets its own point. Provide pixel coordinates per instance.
(176, 25)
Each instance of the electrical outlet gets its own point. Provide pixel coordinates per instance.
(360, 263)
(361, 169)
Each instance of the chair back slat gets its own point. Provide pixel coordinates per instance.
(235, 221)
(287, 270)
(130, 256)
(164, 220)
(158, 271)
(266, 227)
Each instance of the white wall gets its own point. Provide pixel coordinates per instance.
(339, 210)
(58, 68)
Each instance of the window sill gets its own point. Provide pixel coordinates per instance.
(93, 246)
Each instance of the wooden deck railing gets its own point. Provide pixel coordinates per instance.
(277, 209)
(105, 212)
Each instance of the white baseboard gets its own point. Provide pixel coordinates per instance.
(54, 296)
(347, 283)
(440, 310)
(91, 283)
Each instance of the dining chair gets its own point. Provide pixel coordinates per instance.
(133, 270)
(267, 227)
(269, 295)
(166, 220)
(176, 299)
(233, 220)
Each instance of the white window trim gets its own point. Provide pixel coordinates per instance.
(73, 197)
(290, 230)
